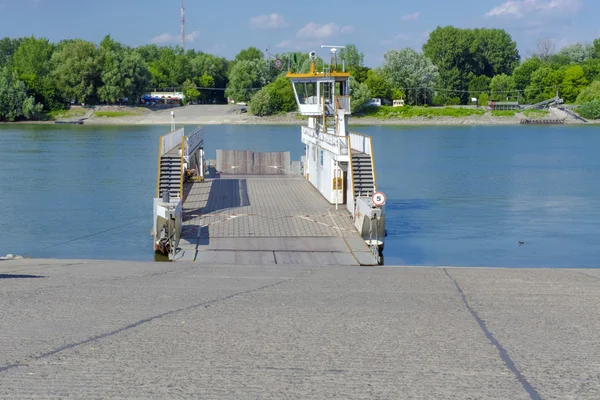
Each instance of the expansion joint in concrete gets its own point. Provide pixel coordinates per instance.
(510, 364)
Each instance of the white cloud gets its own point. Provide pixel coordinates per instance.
(347, 29)
(520, 8)
(284, 43)
(191, 37)
(316, 31)
(267, 21)
(169, 38)
(164, 38)
(396, 39)
(411, 17)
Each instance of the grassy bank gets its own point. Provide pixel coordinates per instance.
(535, 113)
(406, 112)
(65, 114)
(115, 114)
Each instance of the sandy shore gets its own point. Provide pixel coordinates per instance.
(231, 115)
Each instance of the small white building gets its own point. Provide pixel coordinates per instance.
(398, 103)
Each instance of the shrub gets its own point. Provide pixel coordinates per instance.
(590, 110)
(260, 103)
(483, 100)
(589, 94)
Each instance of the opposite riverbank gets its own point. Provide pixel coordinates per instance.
(233, 115)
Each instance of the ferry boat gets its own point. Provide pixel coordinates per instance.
(339, 163)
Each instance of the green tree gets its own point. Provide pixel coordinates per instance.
(353, 59)
(246, 77)
(14, 100)
(189, 91)
(478, 85)
(281, 93)
(573, 83)
(502, 87)
(545, 82)
(125, 75)
(32, 63)
(249, 54)
(410, 71)
(576, 53)
(461, 54)
(76, 69)
(359, 95)
(8, 47)
(379, 86)
(522, 74)
(215, 67)
(590, 93)
(596, 47)
(591, 69)
(495, 52)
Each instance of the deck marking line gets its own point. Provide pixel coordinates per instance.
(533, 394)
(322, 223)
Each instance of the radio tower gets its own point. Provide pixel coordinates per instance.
(183, 25)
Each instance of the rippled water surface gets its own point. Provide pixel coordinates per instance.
(456, 195)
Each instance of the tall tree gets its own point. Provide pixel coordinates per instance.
(573, 83)
(545, 83)
(502, 87)
(478, 85)
(76, 70)
(245, 79)
(353, 58)
(522, 74)
(545, 48)
(379, 85)
(32, 62)
(576, 53)
(8, 47)
(410, 71)
(125, 75)
(14, 100)
(461, 54)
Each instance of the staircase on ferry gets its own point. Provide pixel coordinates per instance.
(362, 172)
(170, 175)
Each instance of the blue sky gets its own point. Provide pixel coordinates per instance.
(224, 28)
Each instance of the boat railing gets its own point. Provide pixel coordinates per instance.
(193, 141)
(361, 143)
(171, 140)
(333, 143)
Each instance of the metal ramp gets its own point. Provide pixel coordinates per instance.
(572, 114)
(545, 103)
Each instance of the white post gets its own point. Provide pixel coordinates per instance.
(337, 189)
(172, 121)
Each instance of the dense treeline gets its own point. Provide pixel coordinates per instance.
(455, 66)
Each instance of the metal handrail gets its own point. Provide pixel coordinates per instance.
(160, 154)
(182, 172)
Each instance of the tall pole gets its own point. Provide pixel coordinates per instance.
(183, 25)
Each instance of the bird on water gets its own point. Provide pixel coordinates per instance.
(521, 243)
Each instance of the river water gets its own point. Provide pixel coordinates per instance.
(457, 196)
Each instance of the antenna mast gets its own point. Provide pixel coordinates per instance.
(183, 25)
